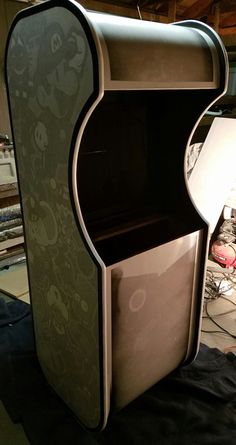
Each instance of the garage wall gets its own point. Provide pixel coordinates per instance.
(8, 9)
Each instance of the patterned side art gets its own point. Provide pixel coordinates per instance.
(50, 79)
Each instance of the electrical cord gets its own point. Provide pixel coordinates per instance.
(217, 324)
(226, 299)
(213, 285)
(214, 332)
(226, 312)
(230, 279)
(212, 288)
(221, 314)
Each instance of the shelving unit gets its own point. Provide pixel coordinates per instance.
(11, 243)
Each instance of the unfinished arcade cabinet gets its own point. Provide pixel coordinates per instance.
(102, 109)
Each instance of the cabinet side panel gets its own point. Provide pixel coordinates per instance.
(51, 82)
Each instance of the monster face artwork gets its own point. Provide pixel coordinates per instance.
(50, 73)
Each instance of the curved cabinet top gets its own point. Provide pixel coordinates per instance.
(139, 54)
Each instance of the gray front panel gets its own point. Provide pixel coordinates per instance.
(50, 79)
(154, 315)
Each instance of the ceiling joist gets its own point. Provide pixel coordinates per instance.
(220, 14)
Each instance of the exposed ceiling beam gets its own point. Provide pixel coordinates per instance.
(228, 19)
(172, 10)
(227, 31)
(157, 5)
(227, 5)
(119, 8)
(216, 22)
(223, 22)
(198, 9)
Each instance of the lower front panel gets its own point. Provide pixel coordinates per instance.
(153, 300)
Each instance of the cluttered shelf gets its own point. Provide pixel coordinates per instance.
(11, 228)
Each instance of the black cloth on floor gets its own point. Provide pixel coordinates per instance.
(194, 405)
